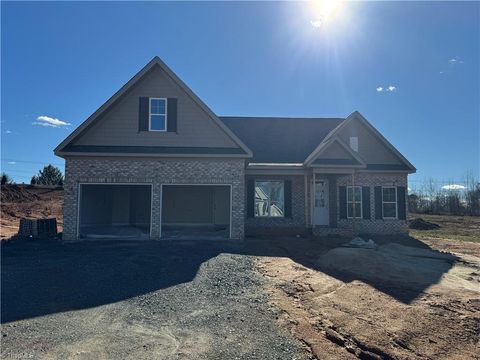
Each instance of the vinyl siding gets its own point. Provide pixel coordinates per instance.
(370, 148)
(119, 125)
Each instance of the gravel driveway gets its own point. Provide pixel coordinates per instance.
(137, 300)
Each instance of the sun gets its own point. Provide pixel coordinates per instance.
(324, 11)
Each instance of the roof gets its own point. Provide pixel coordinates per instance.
(279, 139)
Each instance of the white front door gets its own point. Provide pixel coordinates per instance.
(320, 203)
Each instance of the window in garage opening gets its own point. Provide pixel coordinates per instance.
(115, 211)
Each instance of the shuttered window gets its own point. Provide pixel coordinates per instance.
(354, 201)
(157, 114)
(269, 198)
(389, 202)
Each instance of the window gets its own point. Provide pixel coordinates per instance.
(389, 202)
(354, 201)
(158, 114)
(269, 199)
(354, 143)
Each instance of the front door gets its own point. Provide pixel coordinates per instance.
(320, 203)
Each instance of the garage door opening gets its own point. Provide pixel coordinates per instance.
(196, 211)
(115, 211)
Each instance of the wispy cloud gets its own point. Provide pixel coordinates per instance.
(452, 63)
(455, 61)
(50, 122)
(11, 162)
(316, 23)
(453, 187)
(379, 89)
(392, 88)
(7, 132)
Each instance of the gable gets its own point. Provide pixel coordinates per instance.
(373, 148)
(334, 153)
(115, 126)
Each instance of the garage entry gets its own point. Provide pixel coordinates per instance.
(196, 211)
(115, 211)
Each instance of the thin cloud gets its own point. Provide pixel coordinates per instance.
(7, 132)
(50, 122)
(379, 89)
(392, 88)
(455, 61)
(316, 23)
(454, 187)
(11, 162)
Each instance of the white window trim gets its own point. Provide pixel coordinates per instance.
(254, 202)
(357, 216)
(150, 114)
(390, 202)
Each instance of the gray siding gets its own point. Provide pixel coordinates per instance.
(119, 125)
(370, 148)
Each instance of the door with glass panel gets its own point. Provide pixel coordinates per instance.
(320, 203)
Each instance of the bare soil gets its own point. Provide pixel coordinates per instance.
(35, 201)
(405, 300)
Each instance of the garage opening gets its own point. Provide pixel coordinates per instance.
(196, 211)
(110, 211)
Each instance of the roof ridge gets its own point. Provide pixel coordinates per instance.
(280, 117)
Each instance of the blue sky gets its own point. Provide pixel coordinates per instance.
(62, 60)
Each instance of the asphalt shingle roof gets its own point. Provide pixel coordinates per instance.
(280, 140)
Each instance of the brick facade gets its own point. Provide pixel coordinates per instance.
(154, 172)
(371, 226)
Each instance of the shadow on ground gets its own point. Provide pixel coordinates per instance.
(40, 278)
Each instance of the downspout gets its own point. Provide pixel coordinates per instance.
(353, 203)
(305, 177)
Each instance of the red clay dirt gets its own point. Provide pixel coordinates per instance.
(34, 201)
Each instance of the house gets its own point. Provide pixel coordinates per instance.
(154, 162)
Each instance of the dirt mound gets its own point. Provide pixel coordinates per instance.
(397, 264)
(420, 224)
(16, 193)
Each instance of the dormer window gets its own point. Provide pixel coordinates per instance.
(158, 114)
(354, 143)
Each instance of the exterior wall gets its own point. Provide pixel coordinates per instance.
(281, 225)
(155, 172)
(119, 125)
(371, 226)
(370, 148)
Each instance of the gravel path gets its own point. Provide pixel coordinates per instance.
(128, 300)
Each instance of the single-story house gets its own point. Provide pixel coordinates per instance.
(154, 162)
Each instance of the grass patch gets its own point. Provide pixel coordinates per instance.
(452, 227)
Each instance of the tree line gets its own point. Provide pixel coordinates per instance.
(430, 198)
(49, 175)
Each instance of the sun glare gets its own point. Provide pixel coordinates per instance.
(324, 11)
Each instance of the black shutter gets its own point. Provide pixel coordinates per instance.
(288, 198)
(250, 198)
(378, 203)
(172, 115)
(342, 201)
(401, 204)
(143, 114)
(366, 202)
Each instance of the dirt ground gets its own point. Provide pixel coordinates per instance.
(35, 201)
(405, 300)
